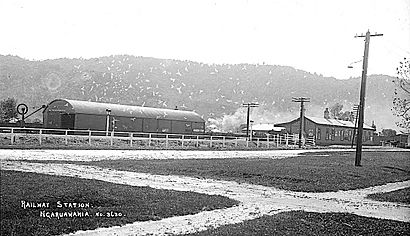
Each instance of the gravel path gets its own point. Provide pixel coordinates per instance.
(98, 155)
(256, 200)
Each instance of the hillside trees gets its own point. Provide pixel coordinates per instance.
(388, 132)
(8, 109)
(336, 112)
(401, 100)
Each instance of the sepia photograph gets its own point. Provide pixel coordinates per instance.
(205, 117)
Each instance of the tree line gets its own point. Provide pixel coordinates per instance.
(8, 110)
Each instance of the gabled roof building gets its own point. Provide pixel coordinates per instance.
(327, 131)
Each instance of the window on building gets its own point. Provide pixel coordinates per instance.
(310, 133)
(333, 134)
(347, 135)
(188, 127)
(318, 134)
(327, 134)
(365, 136)
(342, 134)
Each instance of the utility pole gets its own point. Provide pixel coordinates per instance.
(359, 141)
(302, 100)
(107, 126)
(356, 114)
(249, 105)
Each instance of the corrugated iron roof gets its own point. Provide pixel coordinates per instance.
(335, 122)
(96, 108)
(330, 122)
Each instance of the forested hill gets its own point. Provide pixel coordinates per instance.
(214, 91)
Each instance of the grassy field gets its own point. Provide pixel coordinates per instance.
(106, 204)
(308, 223)
(402, 196)
(82, 142)
(312, 172)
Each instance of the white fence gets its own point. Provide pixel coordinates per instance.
(35, 136)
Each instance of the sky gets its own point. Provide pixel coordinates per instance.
(312, 35)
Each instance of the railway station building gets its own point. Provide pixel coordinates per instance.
(328, 131)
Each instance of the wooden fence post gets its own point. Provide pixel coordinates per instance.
(112, 136)
(149, 140)
(131, 136)
(210, 143)
(166, 140)
(182, 142)
(39, 136)
(89, 137)
(12, 136)
(197, 141)
(66, 138)
(267, 141)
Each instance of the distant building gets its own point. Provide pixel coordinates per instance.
(401, 140)
(328, 131)
(262, 129)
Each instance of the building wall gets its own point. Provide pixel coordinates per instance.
(326, 134)
(54, 113)
(181, 127)
(331, 135)
(52, 120)
(132, 124)
(61, 115)
(399, 140)
(164, 126)
(91, 122)
(198, 127)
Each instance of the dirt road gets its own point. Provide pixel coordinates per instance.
(256, 200)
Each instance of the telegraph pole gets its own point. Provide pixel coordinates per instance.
(249, 105)
(302, 100)
(355, 112)
(107, 126)
(359, 141)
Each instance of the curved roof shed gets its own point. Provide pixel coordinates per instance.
(95, 108)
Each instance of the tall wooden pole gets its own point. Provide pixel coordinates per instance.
(249, 105)
(247, 120)
(301, 123)
(359, 141)
(302, 100)
(107, 126)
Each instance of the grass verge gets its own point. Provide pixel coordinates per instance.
(309, 223)
(83, 142)
(312, 172)
(401, 196)
(106, 204)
